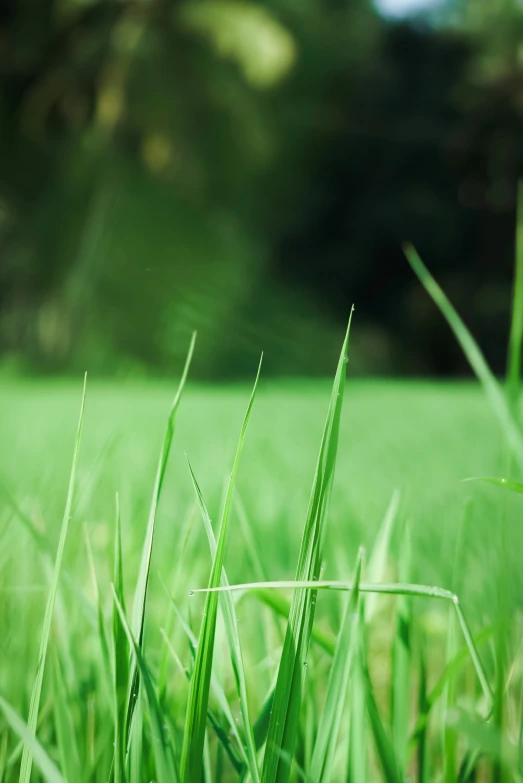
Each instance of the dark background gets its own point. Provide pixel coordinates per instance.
(251, 170)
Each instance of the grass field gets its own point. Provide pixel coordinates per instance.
(146, 681)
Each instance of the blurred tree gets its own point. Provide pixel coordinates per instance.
(250, 170)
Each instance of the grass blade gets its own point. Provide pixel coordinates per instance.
(140, 596)
(47, 767)
(513, 486)
(492, 389)
(328, 729)
(120, 658)
(196, 717)
(423, 764)
(287, 698)
(401, 666)
(233, 640)
(163, 752)
(382, 742)
(27, 756)
(377, 566)
(65, 730)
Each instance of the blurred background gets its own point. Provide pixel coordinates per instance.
(250, 169)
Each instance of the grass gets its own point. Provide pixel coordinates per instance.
(269, 647)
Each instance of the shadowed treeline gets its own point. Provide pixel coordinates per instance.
(250, 170)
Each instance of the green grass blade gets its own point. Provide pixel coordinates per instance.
(65, 730)
(282, 606)
(331, 716)
(163, 751)
(376, 569)
(402, 665)
(238, 764)
(287, 698)
(358, 725)
(120, 666)
(516, 327)
(493, 391)
(104, 643)
(382, 742)
(423, 761)
(451, 669)
(140, 595)
(513, 486)
(27, 757)
(233, 640)
(196, 717)
(47, 767)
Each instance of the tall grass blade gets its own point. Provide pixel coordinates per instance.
(27, 756)
(49, 771)
(492, 389)
(196, 717)
(140, 596)
(163, 751)
(331, 716)
(233, 641)
(291, 674)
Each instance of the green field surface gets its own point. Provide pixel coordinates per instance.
(411, 444)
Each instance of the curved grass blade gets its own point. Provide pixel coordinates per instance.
(140, 595)
(422, 591)
(328, 729)
(492, 388)
(163, 751)
(233, 640)
(47, 767)
(283, 725)
(27, 758)
(196, 717)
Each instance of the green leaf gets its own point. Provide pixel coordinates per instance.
(331, 716)
(27, 756)
(291, 674)
(196, 717)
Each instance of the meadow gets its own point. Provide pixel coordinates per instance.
(378, 639)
